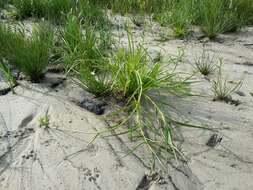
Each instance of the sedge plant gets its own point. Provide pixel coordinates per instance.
(205, 64)
(95, 83)
(141, 86)
(83, 45)
(50, 9)
(6, 72)
(28, 8)
(215, 17)
(177, 14)
(28, 53)
(244, 11)
(57, 10)
(84, 54)
(221, 88)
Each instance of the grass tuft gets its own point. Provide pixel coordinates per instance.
(141, 86)
(29, 54)
(7, 74)
(178, 16)
(83, 46)
(96, 83)
(205, 63)
(221, 88)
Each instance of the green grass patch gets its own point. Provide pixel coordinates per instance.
(133, 6)
(30, 54)
(143, 88)
(57, 10)
(216, 17)
(3, 3)
(244, 11)
(6, 72)
(178, 16)
(213, 16)
(83, 45)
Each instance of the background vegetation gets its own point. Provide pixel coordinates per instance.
(213, 16)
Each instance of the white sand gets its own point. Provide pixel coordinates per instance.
(62, 158)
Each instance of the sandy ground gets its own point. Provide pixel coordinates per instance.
(63, 155)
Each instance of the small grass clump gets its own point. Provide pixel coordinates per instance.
(28, 8)
(58, 9)
(92, 14)
(221, 88)
(50, 9)
(213, 16)
(133, 6)
(7, 74)
(244, 11)
(141, 86)
(83, 46)
(216, 17)
(29, 54)
(84, 51)
(178, 16)
(205, 63)
(132, 68)
(95, 83)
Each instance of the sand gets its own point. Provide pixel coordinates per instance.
(63, 154)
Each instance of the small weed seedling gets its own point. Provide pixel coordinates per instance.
(44, 121)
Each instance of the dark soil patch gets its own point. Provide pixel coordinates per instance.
(5, 91)
(229, 100)
(95, 106)
(246, 63)
(55, 69)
